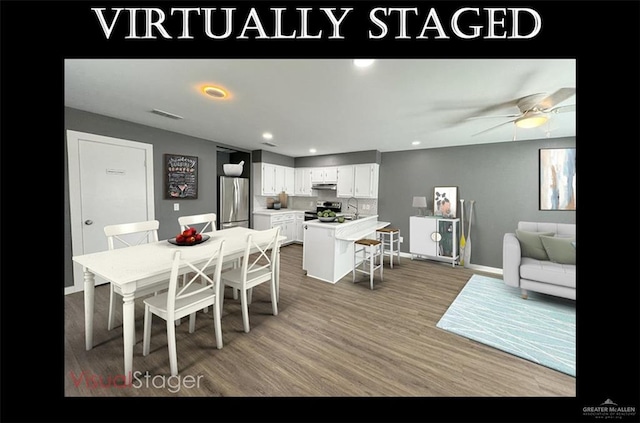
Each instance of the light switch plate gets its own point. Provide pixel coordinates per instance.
(176, 206)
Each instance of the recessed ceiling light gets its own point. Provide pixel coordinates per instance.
(312, 150)
(415, 143)
(267, 136)
(363, 63)
(215, 92)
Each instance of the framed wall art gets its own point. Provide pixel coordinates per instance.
(445, 201)
(557, 179)
(181, 177)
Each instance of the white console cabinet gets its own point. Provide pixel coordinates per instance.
(435, 238)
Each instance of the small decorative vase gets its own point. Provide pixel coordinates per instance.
(283, 199)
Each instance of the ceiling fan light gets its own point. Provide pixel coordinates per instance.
(531, 120)
(215, 92)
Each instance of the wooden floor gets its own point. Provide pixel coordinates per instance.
(341, 340)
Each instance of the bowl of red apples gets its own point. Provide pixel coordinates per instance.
(189, 237)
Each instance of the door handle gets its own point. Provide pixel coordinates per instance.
(88, 222)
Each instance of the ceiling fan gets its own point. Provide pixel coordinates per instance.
(535, 109)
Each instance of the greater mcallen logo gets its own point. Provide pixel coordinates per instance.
(609, 410)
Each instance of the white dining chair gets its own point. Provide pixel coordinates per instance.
(126, 235)
(185, 300)
(258, 266)
(207, 220)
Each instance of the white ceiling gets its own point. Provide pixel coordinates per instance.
(327, 104)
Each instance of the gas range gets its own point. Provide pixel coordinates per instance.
(336, 206)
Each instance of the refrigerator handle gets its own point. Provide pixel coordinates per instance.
(236, 199)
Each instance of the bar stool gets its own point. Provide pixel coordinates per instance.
(390, 238)
(370, 250)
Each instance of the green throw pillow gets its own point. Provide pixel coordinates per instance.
(560, 250)
(531, 245)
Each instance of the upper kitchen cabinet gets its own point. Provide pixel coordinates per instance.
(324, 175)
(270, 179)
(285, 179)
(265, 178)
(360, 181)
(345, 184)
(302, 185)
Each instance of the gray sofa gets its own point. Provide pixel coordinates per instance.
(556, 277)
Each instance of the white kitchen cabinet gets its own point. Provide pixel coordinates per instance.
(302, 184)
(360, 181)
(324, 175)
(286, 222)
(271, 179)
(289, 180)
(299, 227)
(365, 180)
(435, 238)
(330, 175)
(264, 177)
(345, 184)
(284, 179)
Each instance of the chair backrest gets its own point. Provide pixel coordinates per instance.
(260, 243)
(141, 232)
(200, 279)
(207, 220)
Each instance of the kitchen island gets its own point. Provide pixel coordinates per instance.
(327, 252)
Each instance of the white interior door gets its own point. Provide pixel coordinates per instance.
(110, 181)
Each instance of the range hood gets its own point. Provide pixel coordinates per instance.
(325, 186)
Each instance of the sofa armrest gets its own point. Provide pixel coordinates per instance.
(511, 257)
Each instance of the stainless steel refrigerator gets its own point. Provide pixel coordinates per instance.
(233, 202)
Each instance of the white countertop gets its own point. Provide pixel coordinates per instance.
(335, 224)
(361, 233)
(350, 230)
(270, 212)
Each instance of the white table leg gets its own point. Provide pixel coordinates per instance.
(128, 332)
(89, 287)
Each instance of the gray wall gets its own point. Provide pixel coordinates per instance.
(163, 142)
(356, 157)
(502, 178)
(259, 156)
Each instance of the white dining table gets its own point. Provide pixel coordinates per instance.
(140, 266)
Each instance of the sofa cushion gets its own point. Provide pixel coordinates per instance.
(531, 244)
(559, 249)
(546, 271)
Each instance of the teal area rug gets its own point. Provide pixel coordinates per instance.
(541, 329)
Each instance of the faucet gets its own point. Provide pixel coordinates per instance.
(356, 206)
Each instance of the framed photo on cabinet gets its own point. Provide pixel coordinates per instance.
(445, 201)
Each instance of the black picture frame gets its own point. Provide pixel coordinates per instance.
(181, 177)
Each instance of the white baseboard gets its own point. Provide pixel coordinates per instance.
(71, 290)
(472, 266)
(486, 269)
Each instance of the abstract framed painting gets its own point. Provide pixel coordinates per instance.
(557, 179)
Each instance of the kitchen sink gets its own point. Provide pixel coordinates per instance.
(352, 217)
